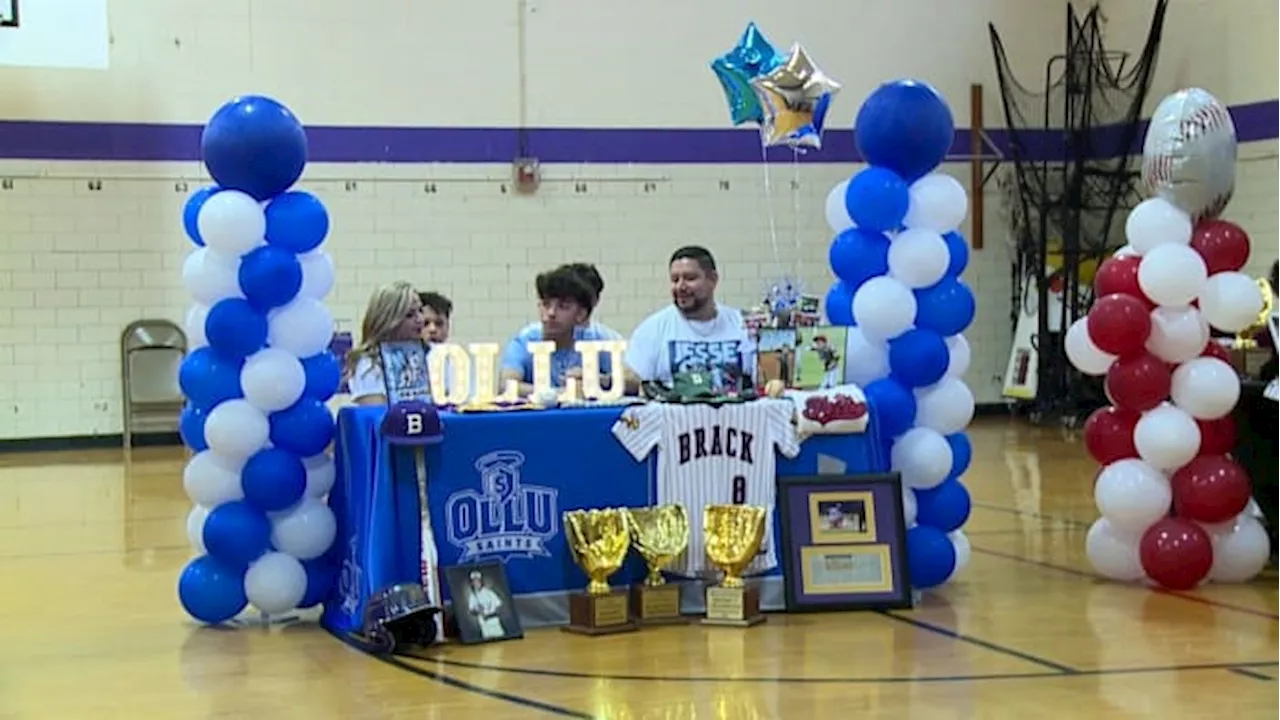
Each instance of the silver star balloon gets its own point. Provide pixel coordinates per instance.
(795, 96)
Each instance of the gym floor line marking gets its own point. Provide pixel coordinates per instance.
(979, 642)
(1246, 672)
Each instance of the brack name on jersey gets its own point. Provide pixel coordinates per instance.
(717, 441)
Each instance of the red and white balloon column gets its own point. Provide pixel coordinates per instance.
(1172, 499)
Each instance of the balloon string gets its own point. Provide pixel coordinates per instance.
(768, 204)
(795, 215)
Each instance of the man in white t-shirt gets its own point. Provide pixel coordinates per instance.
(693, 334)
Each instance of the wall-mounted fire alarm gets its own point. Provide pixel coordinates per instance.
(526, 175)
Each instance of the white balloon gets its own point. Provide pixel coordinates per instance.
(910, 506)
(305, 531)
(1113, 554)
(272, 380)
(865, 359)
(1178, 334)
(918, 258)
(232, 223)
(321, 473)
(884, 308)
(960, 355)
(1132, 495)
(211, 479)
(1240, 555)
(195, 528)
(210, 276)
(1082, 353)
(1206, 388)
(1172, 275)
(964, 550)
(923, 458)
(837, 213)
(1230, 301)
(317, 274)
(1166, 437)
(1154, 222)
(304, 327)
(938, 203)
(194, 326)
(236, 429)
(947, 407)
(275, 583)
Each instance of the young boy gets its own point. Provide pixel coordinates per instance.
(830, 362)
(436, 311)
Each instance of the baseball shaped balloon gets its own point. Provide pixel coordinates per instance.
(1189, 155)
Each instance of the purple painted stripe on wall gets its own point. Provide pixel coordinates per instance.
(46, 140)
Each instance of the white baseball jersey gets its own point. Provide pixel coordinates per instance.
(711, 455)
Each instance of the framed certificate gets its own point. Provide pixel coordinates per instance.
(844, 542)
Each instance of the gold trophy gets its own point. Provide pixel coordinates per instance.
(733, 534)
(599, 540)
(659, 534)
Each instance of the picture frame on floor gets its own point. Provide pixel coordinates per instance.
(844, 543)
(482, 604)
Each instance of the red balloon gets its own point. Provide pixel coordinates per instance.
(1214, 349)
(1119, 324)
(1108, 435)
(1217, 437)
(1223, 245)
(1139, 383)
(1211, 489)
(1119, 275)
(1176, 553)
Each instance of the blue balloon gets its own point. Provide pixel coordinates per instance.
(273, 479)
(945, 507)
(839, 305)
(877, 199)
(324, 375)
(931, 558)
(234, 329)
(207, 378)
(237, 533)
(210, 591)
(958, 250)
(322, 575)
(305, 428)
(255, 145)
(191, 426)
(191, 212)
(857, 255)
(961, 453)
(752, 57)
(270, 277)
(906, 127)
(297, 221)
(918, 358)
(946, 308)
(894, 407)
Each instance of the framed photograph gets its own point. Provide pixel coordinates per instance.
(844, 543)
(820, 357)
(776, 355)
(404, 371)
(482, 604)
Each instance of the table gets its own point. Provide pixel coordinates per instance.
(496, 489)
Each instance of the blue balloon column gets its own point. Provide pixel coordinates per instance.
(898, 257)
(259, 372)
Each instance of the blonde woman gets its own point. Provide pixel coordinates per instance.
(394, 314)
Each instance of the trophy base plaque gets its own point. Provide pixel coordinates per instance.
(600, 614)
(657, 604)
(733, 607)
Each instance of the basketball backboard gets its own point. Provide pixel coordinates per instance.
(9, 13)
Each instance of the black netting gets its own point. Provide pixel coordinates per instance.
(1073, 179)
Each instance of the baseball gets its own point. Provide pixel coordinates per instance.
(775, 388)
(547, 398)
(1189, 154)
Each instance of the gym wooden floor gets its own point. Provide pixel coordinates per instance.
(90, 548)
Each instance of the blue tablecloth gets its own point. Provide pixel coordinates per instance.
(496, 489)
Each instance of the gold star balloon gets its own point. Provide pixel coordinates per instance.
(794, 97)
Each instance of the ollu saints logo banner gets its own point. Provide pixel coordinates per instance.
(507, 517)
